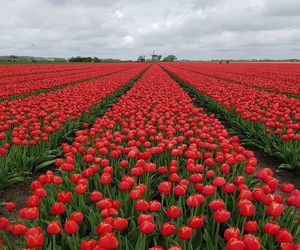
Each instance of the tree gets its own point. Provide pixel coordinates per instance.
(170, 58)
(141, 59)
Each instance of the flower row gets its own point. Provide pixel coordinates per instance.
(283, 78)
(25, 84)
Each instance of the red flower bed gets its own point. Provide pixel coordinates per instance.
(155, 172)
(270, 121)
(275, 77)
(30, 120)
(20, 84)
(280, 114)
(32, 69)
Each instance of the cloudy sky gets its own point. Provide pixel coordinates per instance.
(191, 29)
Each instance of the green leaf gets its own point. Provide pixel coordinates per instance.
(44, 165)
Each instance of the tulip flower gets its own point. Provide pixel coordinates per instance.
(235, 244)
(232, 232)
(71, 227)
(168, 228)
(221, 215)
(147, 227)
(185, 232)
(251, 242)
(54, 227)
(34, 237)
(10, 206)
(251, 226)
(284, 236)
(108, 241)
(173, 212)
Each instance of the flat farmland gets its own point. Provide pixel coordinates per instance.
(150, 156)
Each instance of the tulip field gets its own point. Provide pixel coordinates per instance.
(150, 156)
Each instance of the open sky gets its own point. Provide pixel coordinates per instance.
(125, 29)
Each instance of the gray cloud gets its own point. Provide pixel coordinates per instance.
(195, 29)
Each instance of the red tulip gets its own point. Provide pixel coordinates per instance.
(271, 227)
(275, 209)
(103, 228)
(147, 227)
(284, 236)
(208, 190)
(58, 208)
(64, 196)
(185, 232)
(10, 206)
(34, 237)
(196, 221)
(108, 241)
(251, 226)
(54, 227)
(289, 246)
(246, 208)
(287, 187)
(235, 244)
(175, 247)
(76, 216)
(154, 206)
(168, 228)
(105, 179)
(251, 242)
(88, 244)
(221, 215)
(173, 212)
(4, 222)
(141, 205)
(232, 232)
(180, 190)
(71, 227)
(216, 204)
(192, 201)
(144, 217)
(257, 194)
(156, 248)
(19, 229)
(95, 196)
(120, 223)
(30, 213)
(219, 181)
(229, 188)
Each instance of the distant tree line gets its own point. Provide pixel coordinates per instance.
(157, 58)
(170, 58)
(254, 60)
(92, 59)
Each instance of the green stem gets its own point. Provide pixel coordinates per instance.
(217, 236)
